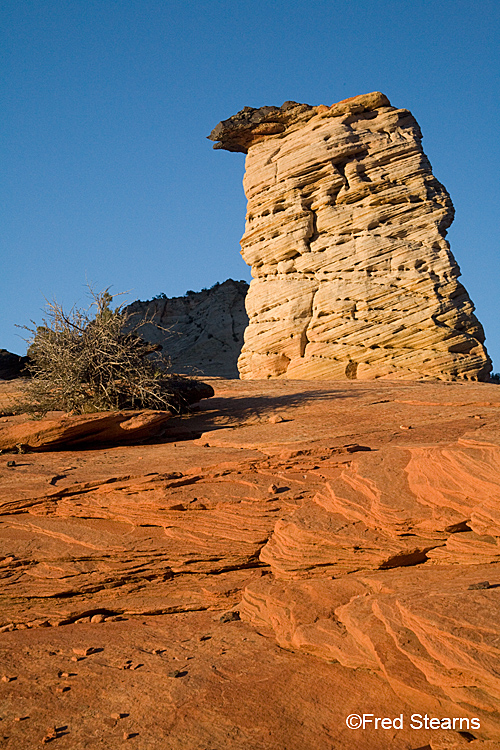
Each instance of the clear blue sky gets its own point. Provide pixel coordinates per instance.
(108, 176)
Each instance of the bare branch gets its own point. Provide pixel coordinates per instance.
(94, 360)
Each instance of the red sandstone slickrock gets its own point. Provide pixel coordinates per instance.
(345, 234)
(301, 559)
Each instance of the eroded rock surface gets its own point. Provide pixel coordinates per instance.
(61, 431)
(202, 332)
(354, 528)
(345, 234)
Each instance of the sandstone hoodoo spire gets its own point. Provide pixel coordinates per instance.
(345, 234)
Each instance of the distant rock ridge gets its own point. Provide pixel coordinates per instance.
(202, 332)
(345, 234)
(12, 365)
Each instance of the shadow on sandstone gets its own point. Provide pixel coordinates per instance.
(264, 405)
(60, 431)
(223, 413)
(187, 421)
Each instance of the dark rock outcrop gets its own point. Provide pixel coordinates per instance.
(12, 365)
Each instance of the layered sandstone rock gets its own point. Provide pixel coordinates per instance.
(202, 332)
(61, 431)
(345, 234)
(354, 527)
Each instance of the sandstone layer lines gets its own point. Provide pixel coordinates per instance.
(345, 234)
(352, 526)
(434, 641)
(201, 332)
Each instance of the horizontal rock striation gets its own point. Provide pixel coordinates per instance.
(394, 508)
(345, 234)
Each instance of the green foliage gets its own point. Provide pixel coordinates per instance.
(93, 360)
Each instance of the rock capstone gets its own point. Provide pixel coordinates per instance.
(346, 236)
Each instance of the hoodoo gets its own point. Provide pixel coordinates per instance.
(345, 233)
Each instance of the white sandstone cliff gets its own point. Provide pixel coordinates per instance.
(202, 332)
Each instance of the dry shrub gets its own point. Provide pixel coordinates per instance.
(94, 360)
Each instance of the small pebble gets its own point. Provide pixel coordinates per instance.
(205, 637)
(116, 716)
(127, 735)
(177, 673)
(479, 586)
(97, 618)
(83, 651)
(405, 427)
(273, 489)
(11, 463)
(9, 678)
(63, 689)
(230, 616)
(275, 419)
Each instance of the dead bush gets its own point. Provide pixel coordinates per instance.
(94, 359)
